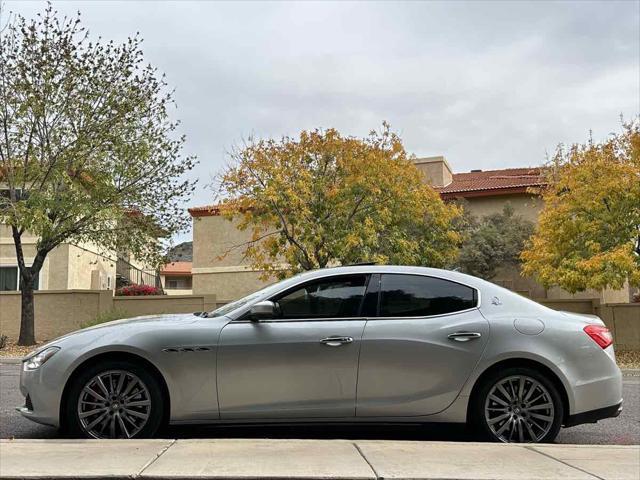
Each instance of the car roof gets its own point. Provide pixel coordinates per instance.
(404, 269)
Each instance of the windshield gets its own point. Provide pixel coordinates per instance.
(265, 292)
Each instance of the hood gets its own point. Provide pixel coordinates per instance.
(164, 318)
(150, 321)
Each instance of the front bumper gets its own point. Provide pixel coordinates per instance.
(592, 416)
(42, 390)
(28, 412)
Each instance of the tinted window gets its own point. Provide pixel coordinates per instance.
(417, 296)
(337, 297)
(8, 278)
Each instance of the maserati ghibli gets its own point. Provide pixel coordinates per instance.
(351, 344)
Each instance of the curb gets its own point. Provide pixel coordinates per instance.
(281, 459)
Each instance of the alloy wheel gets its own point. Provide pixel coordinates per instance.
(519, 409)
(114, 404)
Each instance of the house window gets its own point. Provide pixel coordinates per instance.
(9, 279)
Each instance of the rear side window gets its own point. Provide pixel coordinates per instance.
(336, 297)
(419, 296)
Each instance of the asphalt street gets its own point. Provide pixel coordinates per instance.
(623, 430)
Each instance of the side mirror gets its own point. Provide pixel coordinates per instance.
(263, 310)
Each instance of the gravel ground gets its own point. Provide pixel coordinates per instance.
(628, 358)
(623, 430)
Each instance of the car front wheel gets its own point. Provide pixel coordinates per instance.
(518, 405)
(114, 399)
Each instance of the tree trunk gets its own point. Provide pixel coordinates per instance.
(27, 274)
(27, 318)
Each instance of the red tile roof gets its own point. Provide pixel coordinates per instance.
(176, 268)
(206, 211)
(471, 184)
(492, 182)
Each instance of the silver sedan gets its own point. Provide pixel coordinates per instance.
(349, 344)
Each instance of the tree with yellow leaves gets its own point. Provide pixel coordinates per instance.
(589, 227)
(324, 199)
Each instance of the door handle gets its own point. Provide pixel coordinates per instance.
(463, 336)
(336, 341)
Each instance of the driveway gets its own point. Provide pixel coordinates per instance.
(624, 430)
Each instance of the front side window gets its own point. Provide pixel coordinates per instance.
(420, 296)
(336, 297)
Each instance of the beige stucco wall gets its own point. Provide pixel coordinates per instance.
(49, 277)
(624, 322)
(510, 277)
(66, 266)
(228, 286)
(436, 170)
(58, 312)
(526, 205)
(218, 267)
(91, 268)
(151, 305)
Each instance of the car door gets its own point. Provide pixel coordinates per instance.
(421, 347)
(302, 364)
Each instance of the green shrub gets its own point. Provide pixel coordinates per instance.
(105, 317)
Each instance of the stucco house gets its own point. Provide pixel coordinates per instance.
(176, 278)
(219, 268)
(67, 267)
(71, 266)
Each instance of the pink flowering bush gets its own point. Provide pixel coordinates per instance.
(138, 290)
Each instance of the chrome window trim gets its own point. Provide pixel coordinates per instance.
(242, 310)
(426, 316)
(301, 320)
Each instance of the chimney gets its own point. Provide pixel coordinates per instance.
(436, 170)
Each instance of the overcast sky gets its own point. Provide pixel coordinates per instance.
(487, 84)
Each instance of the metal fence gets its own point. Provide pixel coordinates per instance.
(127, 274)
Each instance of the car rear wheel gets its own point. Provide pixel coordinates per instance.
(114, 399)
(518, 405)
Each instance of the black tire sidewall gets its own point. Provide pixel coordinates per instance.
(71, 423)
(477, 411)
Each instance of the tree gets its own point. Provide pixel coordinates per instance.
(324, 199)
(494, 241)
(87, 150)
(590, 222)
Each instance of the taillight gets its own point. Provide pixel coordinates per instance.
(601, 335)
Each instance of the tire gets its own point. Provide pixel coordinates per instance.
(519, 405)
(134, 408)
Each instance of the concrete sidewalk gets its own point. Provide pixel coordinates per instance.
(311, 459)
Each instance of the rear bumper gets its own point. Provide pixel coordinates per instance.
(592, 416)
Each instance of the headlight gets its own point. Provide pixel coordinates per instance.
(34, 362)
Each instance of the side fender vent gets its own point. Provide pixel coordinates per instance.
(187, 349)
